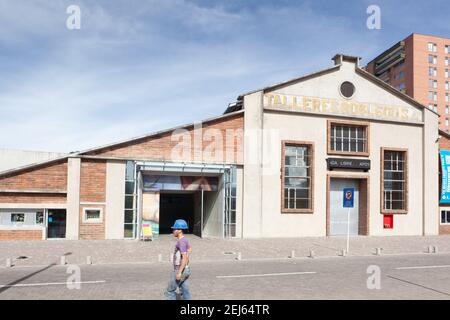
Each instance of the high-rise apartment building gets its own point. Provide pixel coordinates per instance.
(420, 67)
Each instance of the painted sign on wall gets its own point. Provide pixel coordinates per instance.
(445, 165)
(192, 183)
(341, 107)
(150, 214)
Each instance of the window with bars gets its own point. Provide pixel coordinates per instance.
(394, 181)
(445, 217)
(297, 175)
(346, 138)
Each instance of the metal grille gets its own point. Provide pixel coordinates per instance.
(230, 203)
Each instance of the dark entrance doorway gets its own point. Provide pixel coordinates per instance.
(56, 223)
(175, 206)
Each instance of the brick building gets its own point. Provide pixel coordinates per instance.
(273, 165)
(419, 65)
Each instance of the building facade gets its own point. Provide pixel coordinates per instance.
(275, 164)
(420, 67)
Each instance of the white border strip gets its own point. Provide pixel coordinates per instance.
(49, 284)
(265, 275)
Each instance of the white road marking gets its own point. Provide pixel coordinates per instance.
(48, 284)
(265, 275)
(422, 267)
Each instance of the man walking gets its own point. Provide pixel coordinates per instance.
(180, 275)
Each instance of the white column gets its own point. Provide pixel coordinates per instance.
(73, 198)
(115, 199)
(430, 174)
(252, 210)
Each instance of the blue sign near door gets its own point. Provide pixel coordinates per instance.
(348, 197)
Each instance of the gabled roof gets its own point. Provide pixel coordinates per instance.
(81, 153)
(368, 76)
(292, 81)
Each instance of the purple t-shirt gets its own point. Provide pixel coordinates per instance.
(182, 246)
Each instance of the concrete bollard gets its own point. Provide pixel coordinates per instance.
(88, 260)
(343, 253)
(292, 254)
(8, 263)
(239, 256)
(435, 249)
(430, 249)
(312, 254)
(160, 257)
(63, 260)
(378, 251)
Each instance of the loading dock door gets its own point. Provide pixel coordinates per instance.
(338, 214)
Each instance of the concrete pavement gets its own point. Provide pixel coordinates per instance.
(37, 253)
(401, 277)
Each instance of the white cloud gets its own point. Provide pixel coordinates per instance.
(140, 66)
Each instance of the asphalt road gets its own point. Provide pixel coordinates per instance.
(425, 276)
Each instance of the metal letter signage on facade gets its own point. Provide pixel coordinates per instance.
(445, 164)
(345, 163)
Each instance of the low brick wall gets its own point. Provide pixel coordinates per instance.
(20, 234)
(444, 229)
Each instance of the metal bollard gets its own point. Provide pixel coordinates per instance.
(378, 251)
(63, 260)
(430, 249)
(88, 260)
(8, 263)
(160, 257)
(435, 249)
(292, 254)
(343, 252)
(312, 254)
(239, 256)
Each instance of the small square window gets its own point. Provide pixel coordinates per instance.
(92, 215)
(17, 217)
(445, 217)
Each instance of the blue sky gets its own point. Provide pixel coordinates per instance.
(138, 66)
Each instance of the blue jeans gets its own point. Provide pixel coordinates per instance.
(183, 284)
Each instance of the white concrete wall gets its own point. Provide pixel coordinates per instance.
(239, 200)
(262, 215)
(252, 182)
(213, 212)
(430, 174)
(10, 159)
(115, 200)
(73, 198)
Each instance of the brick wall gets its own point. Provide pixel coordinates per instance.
(93, 190)
(89, 230)
(93, 181)
(161, 147)
(32, 198)
(51, 176)
(20, 234)
(444, 142)
(444, 229)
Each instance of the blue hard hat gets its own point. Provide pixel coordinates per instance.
(180, 224)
